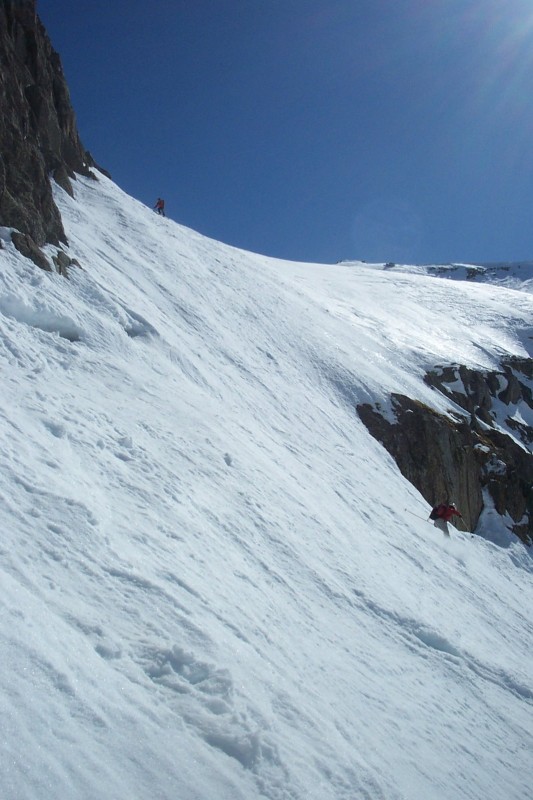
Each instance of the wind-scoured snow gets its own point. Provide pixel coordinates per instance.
(215, 583)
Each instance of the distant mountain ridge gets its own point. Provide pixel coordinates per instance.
(514, 274)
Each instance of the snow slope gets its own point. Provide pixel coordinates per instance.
(215, 583)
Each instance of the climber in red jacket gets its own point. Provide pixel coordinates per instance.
(442, 514)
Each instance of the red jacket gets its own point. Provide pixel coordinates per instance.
(447, 512)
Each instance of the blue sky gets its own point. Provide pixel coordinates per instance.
(321, 130)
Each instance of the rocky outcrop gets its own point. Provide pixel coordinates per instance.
(26, 245)
(479, 451)
(476, 392)
(63, 262)
(38, 133)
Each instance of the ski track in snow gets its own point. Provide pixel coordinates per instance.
(210, 585)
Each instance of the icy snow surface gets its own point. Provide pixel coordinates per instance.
(215, 584)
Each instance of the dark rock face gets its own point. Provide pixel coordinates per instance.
(26, 245)
(468, 457)
(63, 262)
(38, 134)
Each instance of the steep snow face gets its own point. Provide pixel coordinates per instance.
(215, 583)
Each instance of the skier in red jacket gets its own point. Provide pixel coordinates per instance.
(442, 514)
(160, 206)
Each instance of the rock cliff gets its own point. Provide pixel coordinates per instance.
(479, 454)
(38, 133)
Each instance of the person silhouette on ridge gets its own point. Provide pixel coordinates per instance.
(160, 206)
